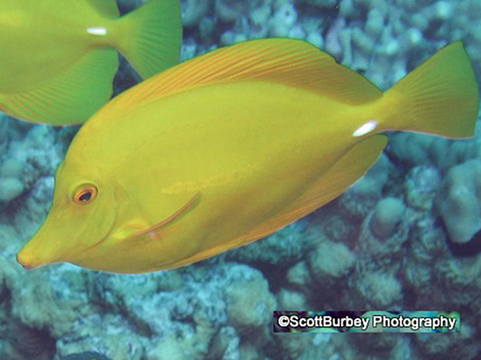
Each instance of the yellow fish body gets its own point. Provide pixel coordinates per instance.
(231, 146)
(58, 58)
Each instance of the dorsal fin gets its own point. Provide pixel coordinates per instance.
(107, 8)
(291, 62)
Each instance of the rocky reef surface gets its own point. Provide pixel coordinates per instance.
(406, 236)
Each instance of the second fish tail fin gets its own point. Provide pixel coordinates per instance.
(440, 97)
(150, 37)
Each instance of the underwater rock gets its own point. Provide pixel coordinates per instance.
(41, 302)
(10, 188)
(38, 202)
(380, 291)
(388, 214)
(193, 11)
(459, 201)
(426, 247)
(327, 4)
(29, 343)
(259, 17)
(232, 10)
(172, 348)
(375, 21)
(333, 43)
(89, 355)
(428, 241)
(116, 291)
(458, 282)
(283, 20)
(56, 300)
(250, 314)
(40, 136)
(330, 262)
(453, 346)
(205, 332)
(11, 168)
(207, 28)
(454, 282)
(360, 198)
(46, 301)
(3, 133)
(421, 186)
(155, 308)
(224, 345)
(180, 302)
(249, 352)
(380, 343)
(281, 249)
(298, 276)
(383, 234)
(419, 149)
(290, 299)
(338, 228)
(108, 334)
(30, 157)
(362, 40)
(8, 236)
(294, 345)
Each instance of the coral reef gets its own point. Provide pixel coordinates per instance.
(388, 213)
(391, 242)
(89, 355)
(459, 201)
(280, 250)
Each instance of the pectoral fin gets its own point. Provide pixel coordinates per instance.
(153, 231)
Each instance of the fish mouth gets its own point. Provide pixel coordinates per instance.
(24, 263)
(27, 261)
(31, 256)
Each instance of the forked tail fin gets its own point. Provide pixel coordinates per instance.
(439, 97)
(151, 36)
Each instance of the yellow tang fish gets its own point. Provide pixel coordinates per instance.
(230, 147)
(58, 57)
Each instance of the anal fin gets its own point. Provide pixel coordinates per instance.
(338, 179)
(72, 96)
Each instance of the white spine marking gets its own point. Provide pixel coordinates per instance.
(99, 31)
(368, 127)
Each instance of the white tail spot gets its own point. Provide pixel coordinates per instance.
(368, 127)
(99, 31)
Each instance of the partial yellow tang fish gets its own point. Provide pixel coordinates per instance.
(230, 147)
(58, 57)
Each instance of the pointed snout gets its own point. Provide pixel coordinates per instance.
(23, 260)
(36, 253)
(27, 259)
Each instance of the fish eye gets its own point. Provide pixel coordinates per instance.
(85, 195)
